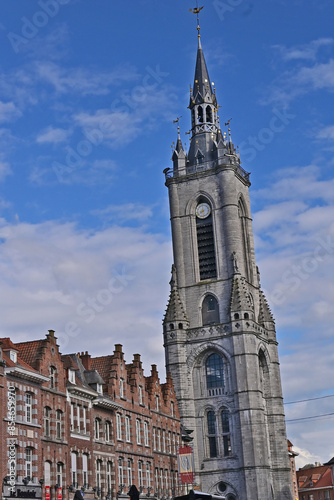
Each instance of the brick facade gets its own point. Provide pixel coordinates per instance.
(97, 423)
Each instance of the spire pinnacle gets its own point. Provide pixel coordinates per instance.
(196, 10)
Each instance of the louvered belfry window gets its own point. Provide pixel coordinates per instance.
(206, 248)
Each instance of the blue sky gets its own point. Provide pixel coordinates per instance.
(88, 95)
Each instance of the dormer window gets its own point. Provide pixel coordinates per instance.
(99, 388)
(71, 376)
(13, 356)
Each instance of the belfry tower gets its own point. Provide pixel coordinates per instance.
(219, 334)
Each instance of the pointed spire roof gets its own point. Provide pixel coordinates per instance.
(175, 310)
(265, 314)
(202, 84)
(240, 298)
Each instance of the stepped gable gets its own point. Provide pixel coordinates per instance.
(134, 370)
(32, 352)
(240, 298)
(152, 382)
(264, 311)
(167, 389)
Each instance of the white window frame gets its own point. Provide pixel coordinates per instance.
(28, 407)
(146, 441)
(59, 474)
(119, 426)
(148, 474)
(127, 429)
(28, 462)
(121, 387)
(129, 471)
(59, 415)
(74, 476)
(138, 431)
(120, 470)
(85, 469)
(140, 472)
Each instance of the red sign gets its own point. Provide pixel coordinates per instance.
(59, 494)
(47, 493)
(185, 462)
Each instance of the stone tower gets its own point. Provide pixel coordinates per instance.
(219, 334)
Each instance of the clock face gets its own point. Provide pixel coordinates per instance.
(203, 210)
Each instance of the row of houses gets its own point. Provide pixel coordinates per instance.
(73, 422)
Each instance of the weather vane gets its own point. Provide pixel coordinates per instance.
(197, 10)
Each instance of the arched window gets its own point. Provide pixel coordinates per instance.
(215, 375)
(210, 311)
(211, 429)
(209, 114)
(200, 114)
(226, 433)
(205, 241)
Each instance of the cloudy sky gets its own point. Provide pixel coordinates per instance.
(88, 95)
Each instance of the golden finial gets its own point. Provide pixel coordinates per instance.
(197, 10)
(177, 119)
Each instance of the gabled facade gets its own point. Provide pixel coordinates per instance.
(219, 334)
(97, 424)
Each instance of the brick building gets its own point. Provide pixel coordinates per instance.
(79, 422)
(315, 482)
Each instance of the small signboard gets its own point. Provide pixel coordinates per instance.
(59, 494)
(185, 462)
(47, 493)
(22, 491)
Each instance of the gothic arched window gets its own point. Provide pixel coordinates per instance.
(209, 114)
(200, 114)
(205, 241)
(226, 433)
(211, 429)
(210, 311)
(214, 374)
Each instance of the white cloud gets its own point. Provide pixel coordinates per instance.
(125, 212)
(294, 235)
(4, 170)
(326, 133)
(8, 111)
(307, 51)
(110, 285)
(53, 135)
(82, 80)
